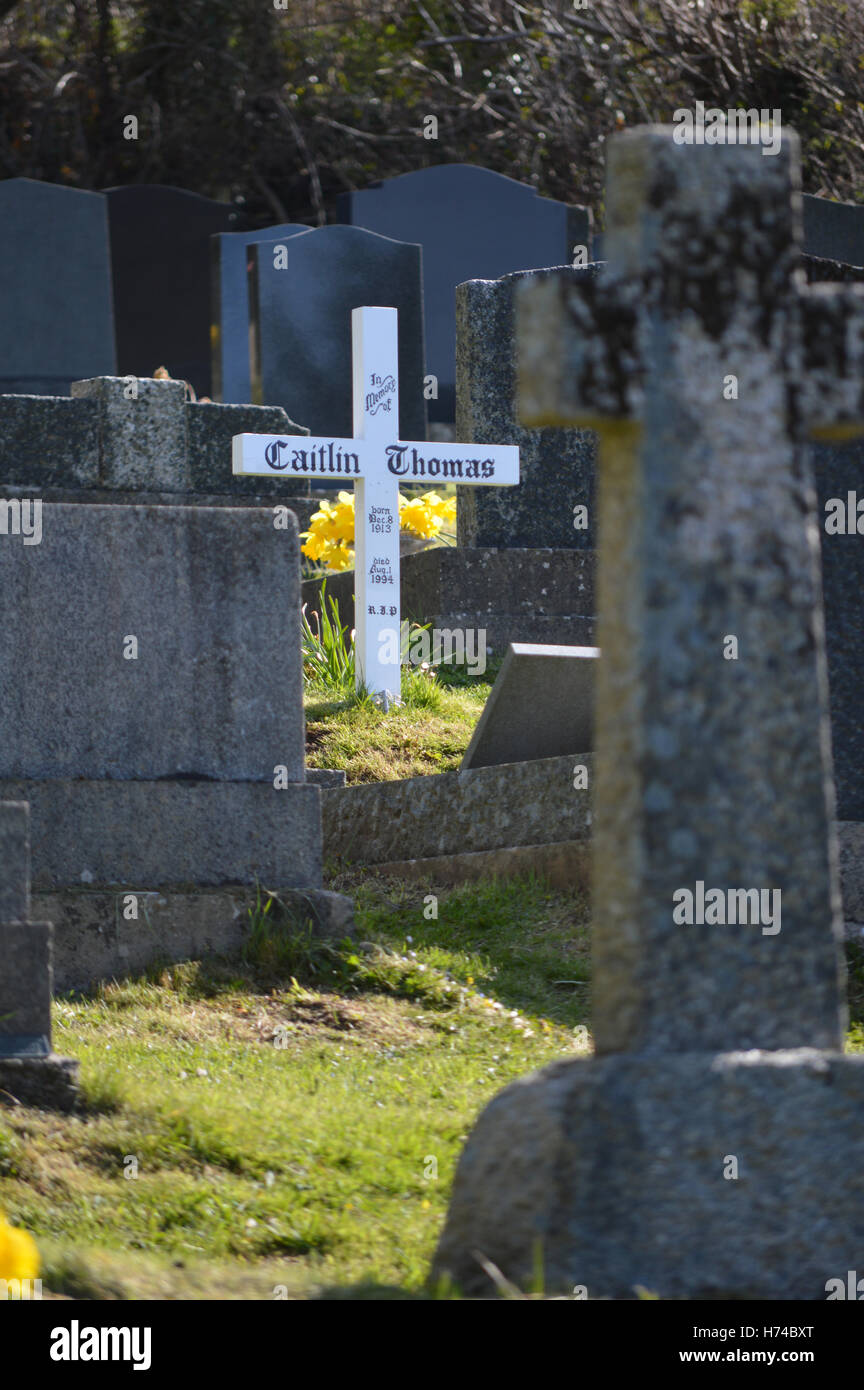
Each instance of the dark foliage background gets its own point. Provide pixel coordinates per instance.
(280, 109)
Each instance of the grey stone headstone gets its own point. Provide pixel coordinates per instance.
(715, 1039)
(56, 319)
(212, 597)
(472, 224)
(541, 706)
(160, 256)
(25, 947)
(14, 861)
(301, 321)
(556, 466)
(229, 308)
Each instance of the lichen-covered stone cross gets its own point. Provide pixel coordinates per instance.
(704, 361)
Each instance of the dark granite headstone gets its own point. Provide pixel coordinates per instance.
(301, 318)
(556, 466)
(55, 287)
(229, 308)
(472, 224)
(834, 231)
(160, 254)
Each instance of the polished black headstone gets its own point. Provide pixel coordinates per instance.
(55, 288)
(472, 224)
(229, 308)
(160, 252)
(301, 317)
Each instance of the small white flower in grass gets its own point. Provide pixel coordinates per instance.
(251, 1223)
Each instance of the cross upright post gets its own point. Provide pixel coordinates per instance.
(713, 768)
(374, 461)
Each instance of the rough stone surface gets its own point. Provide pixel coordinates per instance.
(14, 861)
(48, 441)
(708, 771)
(25, 989)
(556, 466)
(565, 865)
(44, 1083)
(95, 941)
(512, 595)
(229, 307)
(301, 324)
(457, 812)
(834, 231)
(55, 287)
(501, 226)
(160, 257)
(541, 706)
(211, 596)
(710, 530)
(142, 437)
(154, 834)
(211, 429)
(616, 1165)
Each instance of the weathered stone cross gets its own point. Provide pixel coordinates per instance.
(375, 461)
(701, 361)
(713, 1147)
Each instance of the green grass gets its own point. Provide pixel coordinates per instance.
(283, 1111)
(427, 733)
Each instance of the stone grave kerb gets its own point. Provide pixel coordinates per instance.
(713, 769)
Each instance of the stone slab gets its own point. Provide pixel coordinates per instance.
(556, 466)
(513, 595)
(229, 308)
(55, 287)
(211, 596)
(14, 861)
(541, 706)
(615, 1168)
(48, 441)
(499, 226)
(25, 989)
(155, 834)
(211, 428)
(833, 231)
(456, 812)
(160, 256)
(565, 865)
(44, 1083)
(301, 324)
(95, 941)
(142, 431)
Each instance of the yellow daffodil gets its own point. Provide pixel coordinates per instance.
(19, 1258)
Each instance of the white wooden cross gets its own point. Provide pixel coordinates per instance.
(376, 460)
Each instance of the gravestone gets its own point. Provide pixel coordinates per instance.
(833, 231)
(472, 224)
(56, 321)
(713, 1148)
(230, 264)
(541, 706)
(375, 459)
(160, 256)
(303, 291)
(30, 1072)
(556, 465)
(151, 695)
